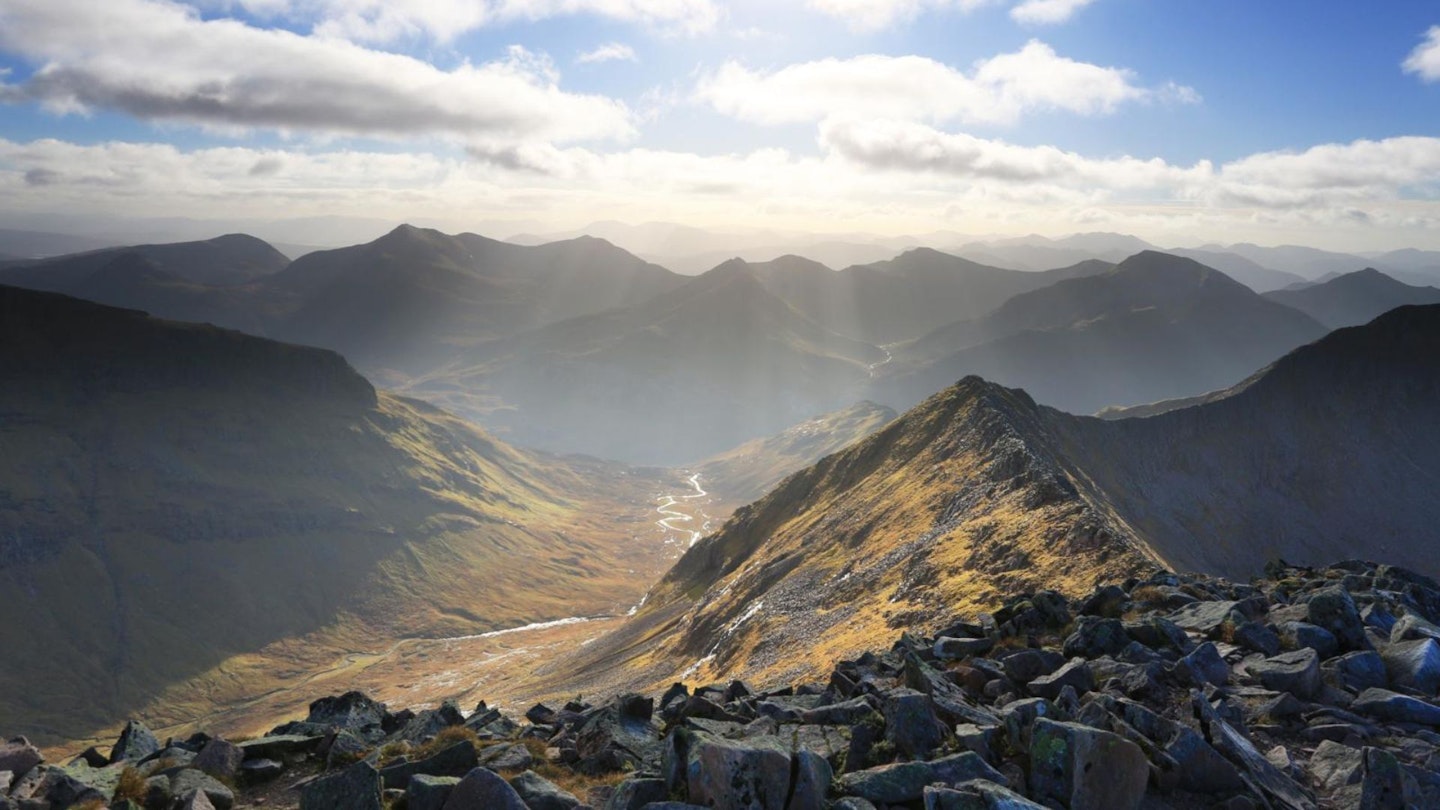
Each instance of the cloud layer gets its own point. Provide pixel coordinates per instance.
(159, 61)
(1424, 61)
(999, 90)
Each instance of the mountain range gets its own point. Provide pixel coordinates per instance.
(1330, 451)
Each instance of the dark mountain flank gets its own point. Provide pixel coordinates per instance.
(979, 491)
(173, 496)
(1354, 298)
(1155, 327)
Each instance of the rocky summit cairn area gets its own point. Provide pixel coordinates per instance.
(1309, 688)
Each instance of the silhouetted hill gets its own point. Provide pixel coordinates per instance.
(222, 261)
(1155, 327)
(678, 377)
(903, 297)
(175, 496)
(1257, 277)
(979, 492)
(1354, 298)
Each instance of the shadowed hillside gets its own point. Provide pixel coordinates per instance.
(172, 496)
(1354, 298)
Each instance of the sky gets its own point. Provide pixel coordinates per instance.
(1285, 121)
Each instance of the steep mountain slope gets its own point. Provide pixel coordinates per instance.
(676, 378)
(749, 471)
(173, 497)
(904, 297)
(1332, 451)
(1354, 298)
(225, 260)
(1155, 327)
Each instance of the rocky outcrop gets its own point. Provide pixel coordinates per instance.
(1162, 707)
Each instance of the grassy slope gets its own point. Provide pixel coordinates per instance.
(176, 496)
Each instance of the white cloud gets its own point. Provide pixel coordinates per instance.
(909, 147)
(1334, 174)
(998, 91)
(160, 61)
(1424, 61)
(609, 52)
(871, 15)
(386, 20)
(1046, 12)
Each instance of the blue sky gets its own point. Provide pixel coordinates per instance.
(1273, 122)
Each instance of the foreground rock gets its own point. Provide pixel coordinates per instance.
(1310, 688)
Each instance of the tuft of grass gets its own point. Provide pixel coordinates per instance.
(1147, 594)
(131, 785)
(446, 738)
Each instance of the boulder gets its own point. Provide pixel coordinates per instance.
(455, 760)
(1415, 664)
(1387, 705)
(279, 746)
(953, 649)
(1076, 674)
(1334, 610)
(505, 757)
(483, 789)
(1206, 618)
(197, 800)
(977, 794)
(1300, 635)
(425, 725)
(906, 781)
(18, 756)
(911, 725)
(1094, 637)
(260, 770)
(1380, 784)
(1256, 637)
(136, 742)
(1204, 665)
(1295, 672)
(355, 788)
(635, 794)
(1358, 671)
(220, 759)
(1157, 633)
(540, 793)
(1024, 666)
(352, 710)
(187, 780)
(429, 792)
(1085, 768)
(732, 775)
(1411, 626)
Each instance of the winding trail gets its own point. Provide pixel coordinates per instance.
(873, 366)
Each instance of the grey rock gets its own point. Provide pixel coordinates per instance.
(355, 788)
(1304, 634)
(452, 760)
(1086, 768)
(911, 725)
(220, 759)
(1295, 672)
(429, 792)
(1358, 671)
(1157, 633)
(1020, 716)
(1205, 618)
(976, 794)
(197, 800)
(18, 756)
(191, 779)
(1075, 674)
(1410, 627)
(1334, 610)
(279, 746)
(1387, 705)
(1381, 784)
(347, 747)
(425, 725)
(136, 742)
(813, 776)
(906, 781)
(1094, 637)
(506, 757)
(736, 776)
(260, 770)
(540, 793)
(1204, 665)
(1024, 666)
(1257, 637)
(352, 710)
(483, 789)
(951, 649)
(635, 794)
(1415, 664)
(158, 792)
(846, 713)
